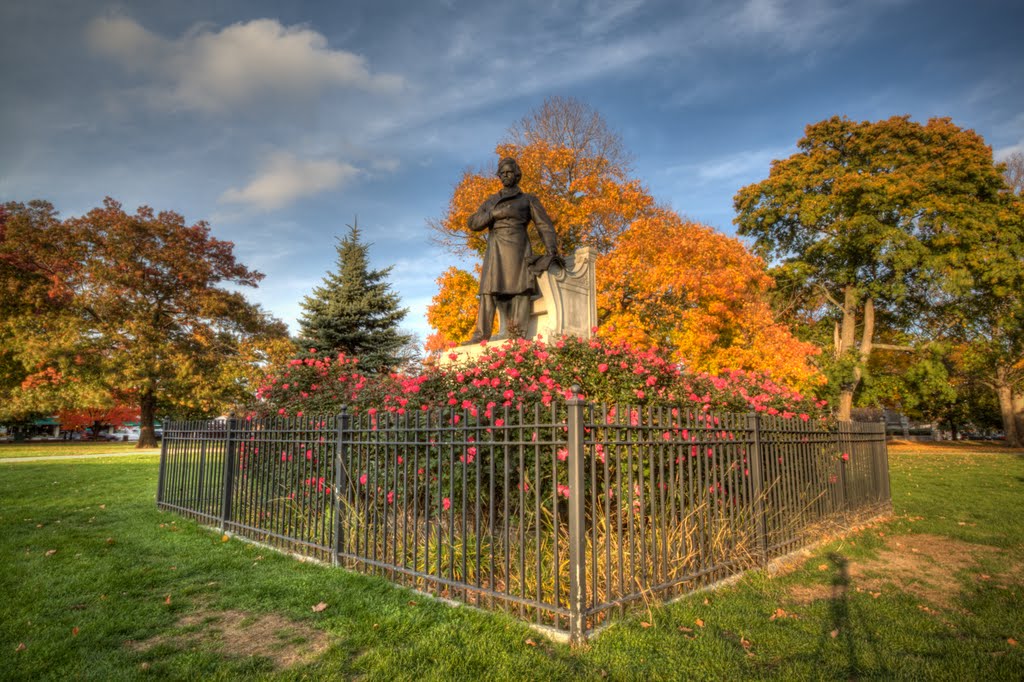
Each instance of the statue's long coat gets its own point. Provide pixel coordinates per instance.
(506, 268)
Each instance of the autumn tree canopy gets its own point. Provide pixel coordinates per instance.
(679, 285)
(125, 308)
(879, 220)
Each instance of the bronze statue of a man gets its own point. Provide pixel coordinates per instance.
(508, 281)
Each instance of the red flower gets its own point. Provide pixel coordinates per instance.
(603, 367)
(446, 503)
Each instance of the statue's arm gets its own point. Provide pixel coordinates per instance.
(483, 218)
(545, 228)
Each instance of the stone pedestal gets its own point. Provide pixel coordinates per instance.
(567, 305)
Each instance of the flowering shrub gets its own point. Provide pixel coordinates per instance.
(524, 373)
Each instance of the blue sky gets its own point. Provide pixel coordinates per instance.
(280, 122)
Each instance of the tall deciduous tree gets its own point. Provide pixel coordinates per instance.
(680, 285)
(125, 308)
(875, 218)
(355, 312)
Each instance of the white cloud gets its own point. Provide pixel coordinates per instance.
(212, 71)
(286, 178)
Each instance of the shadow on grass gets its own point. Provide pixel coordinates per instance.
(861, 650)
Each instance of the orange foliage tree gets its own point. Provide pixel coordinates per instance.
(675, 284)
(453, 310)
(115, 416)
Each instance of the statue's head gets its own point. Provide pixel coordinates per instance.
(508, 163)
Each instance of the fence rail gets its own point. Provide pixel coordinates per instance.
(559, 514)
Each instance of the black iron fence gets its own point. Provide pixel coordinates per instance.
(559, 514)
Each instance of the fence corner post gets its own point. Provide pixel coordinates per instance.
(757, 490)
(340, 481)
(577, 523)
(229, 472)
(161, 480)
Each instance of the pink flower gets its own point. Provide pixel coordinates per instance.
(603, 367)
(563, 454)
(563, 490)
(362, 480)
(447, 503)
(640, 394)
(391, 496)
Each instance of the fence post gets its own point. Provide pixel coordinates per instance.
(757, 479)
(844, 443)
(577, 524)
(884, 454)
(229, 472)
(161, 480)
(340, 481)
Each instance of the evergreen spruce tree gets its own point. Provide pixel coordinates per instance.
(355, 312)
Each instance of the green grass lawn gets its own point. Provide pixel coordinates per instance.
(66, 448)
(98, 584)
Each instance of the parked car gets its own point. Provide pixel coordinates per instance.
(125, 434)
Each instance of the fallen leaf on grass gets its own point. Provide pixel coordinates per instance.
(745, 643)
(225, 537)
(644, 624)
(319, 607)
(779, 613)
(985, 577)
(110, 541)
(530, 642)
(822, 567)
(51, 552)
(683, 628)
(875, 595)
(699, 623)
(74, 632)
(20, 647)
(1011, 641)
(103, 506)
(834, 633)
(706, 602)
(412, 603)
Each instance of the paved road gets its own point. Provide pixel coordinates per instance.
(11, 460)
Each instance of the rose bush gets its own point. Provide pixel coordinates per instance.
(522, 373)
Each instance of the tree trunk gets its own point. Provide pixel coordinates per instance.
(147, 408)
(1017, 402)
(847, 343)
(1005, 395)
